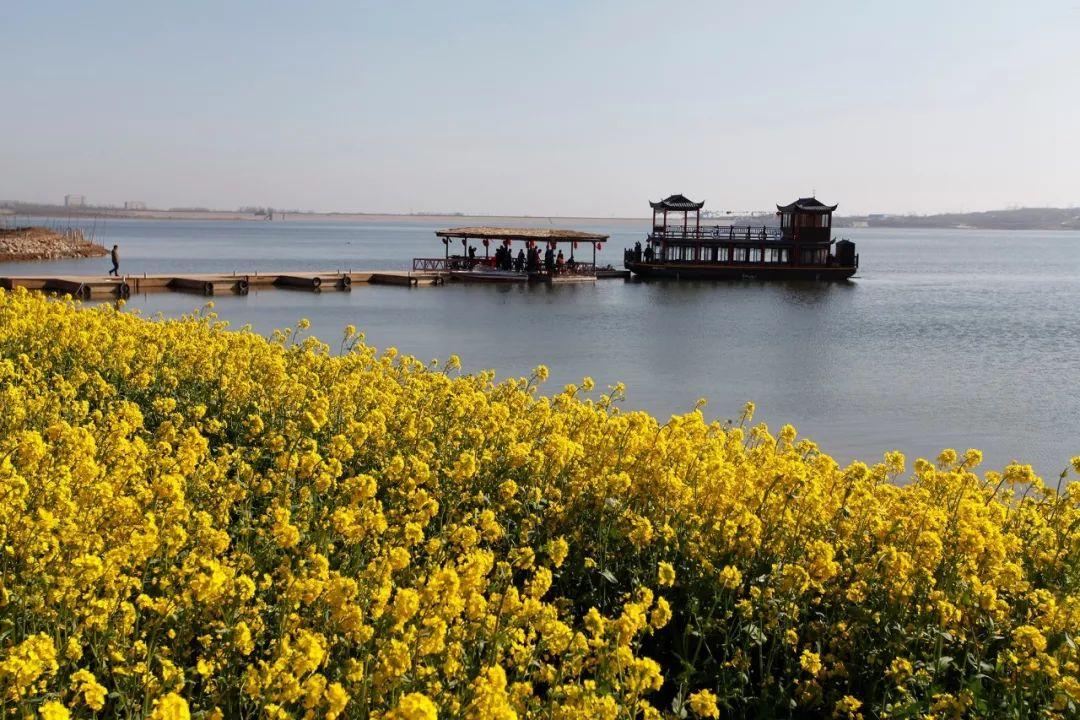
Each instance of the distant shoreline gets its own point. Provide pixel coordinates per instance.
(1017, 219)
(57, 211)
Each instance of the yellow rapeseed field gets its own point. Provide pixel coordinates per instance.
(205, 523)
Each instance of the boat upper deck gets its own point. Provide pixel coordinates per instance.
(727, 234)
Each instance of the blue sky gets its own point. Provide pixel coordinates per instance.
(560, 108)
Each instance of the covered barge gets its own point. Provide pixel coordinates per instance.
(540, 255)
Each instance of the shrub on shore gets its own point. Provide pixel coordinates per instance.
(204, 523)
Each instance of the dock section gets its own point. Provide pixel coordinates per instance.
(100, 287)
(96, 287)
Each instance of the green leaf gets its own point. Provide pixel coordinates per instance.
(756, 635)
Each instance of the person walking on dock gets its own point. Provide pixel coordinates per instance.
(115, 255)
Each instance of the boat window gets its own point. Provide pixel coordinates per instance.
(740, 254)
(755, 254)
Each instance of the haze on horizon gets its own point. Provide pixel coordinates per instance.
(556, 108)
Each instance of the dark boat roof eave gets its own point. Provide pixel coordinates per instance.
(517, 233)
(677, 202)
(807, 205)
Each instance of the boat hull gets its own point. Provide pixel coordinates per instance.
(692, 271)
(487, 276)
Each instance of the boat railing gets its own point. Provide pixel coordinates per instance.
(578, 268)
(719, 233)
(445, 264)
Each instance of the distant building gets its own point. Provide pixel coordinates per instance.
(134, 205)
(74, 200)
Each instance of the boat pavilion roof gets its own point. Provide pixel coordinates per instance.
(508, 233)
(807, 205)
(677, 202)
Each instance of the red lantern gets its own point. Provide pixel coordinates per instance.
(599, 246)
(486, 241)
(575, 244)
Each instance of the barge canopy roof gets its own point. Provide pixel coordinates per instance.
(677, 202)
(807, 205)
(513, 233)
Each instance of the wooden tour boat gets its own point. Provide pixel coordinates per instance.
(801, 248)
(503, 266)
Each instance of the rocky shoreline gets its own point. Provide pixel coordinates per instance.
(39, 243)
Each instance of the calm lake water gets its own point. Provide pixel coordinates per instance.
(945, 339)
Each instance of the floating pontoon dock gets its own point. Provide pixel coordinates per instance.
(97, 287)
(88, 287)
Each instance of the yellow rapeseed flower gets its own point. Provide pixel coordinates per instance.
(666, 574)
(703, 703)
(304, 534)
(52, 710)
